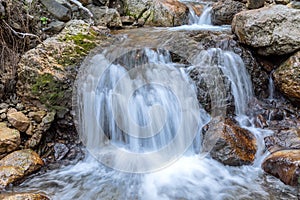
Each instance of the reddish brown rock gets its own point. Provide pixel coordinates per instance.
(234, 146)
(285, 165)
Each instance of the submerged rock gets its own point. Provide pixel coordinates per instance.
(23, 196)
(273, 30)
(224, 11)
(287, 77)
(18, 120)
(9, 139)
(235, 146)
(285, 165)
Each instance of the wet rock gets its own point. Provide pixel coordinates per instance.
(284, 139)
(104, 16)
(287, 77)
(61, 12)
(3, 105)
(23, 196)
(158, 13)
(27, 160)
(224, 11)
(235, 146)
(9, 139)
(18, 120)
(60, 151)
(254, 4)
(284, 165)
(9, 174)
(271, 30)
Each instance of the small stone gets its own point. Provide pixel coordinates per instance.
(56, 26)
(254, 4)
(49, 118)
(3, 105)
(18, 120)
(37, 116)
(284, 2)
(60, 151)
(34, 140)
(3, 116)
(20, 107)
(4, 110)
(9, 139)
(30, 130)
(58, 10)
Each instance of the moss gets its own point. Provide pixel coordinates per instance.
(47, 90)
(83, 44)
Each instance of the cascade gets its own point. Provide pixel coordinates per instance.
(137, 111)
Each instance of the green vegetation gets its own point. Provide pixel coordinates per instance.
(84, 43)
(47, 90)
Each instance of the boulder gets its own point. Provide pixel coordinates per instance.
(234, 146)
(18, 120)
(287, 77)
(58, 10)
(224, 11)
(272, 30)
(23, 196)
(9, 139)
(158, 13)
(47, 72)
(104, 16)
(285, 165)
(254, 4)
(26, 160)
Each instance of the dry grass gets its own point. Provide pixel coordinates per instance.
(17, 34)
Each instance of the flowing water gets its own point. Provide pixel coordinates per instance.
(137, 114)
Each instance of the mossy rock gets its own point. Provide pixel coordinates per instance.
(46, 73)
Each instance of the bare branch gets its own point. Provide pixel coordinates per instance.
(82, 7)
(19, 34)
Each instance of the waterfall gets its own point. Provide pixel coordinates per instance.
(271, 87)
(137, 111)
(204, 18)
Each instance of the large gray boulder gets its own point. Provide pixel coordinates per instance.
(272, 30)
(224, 11)
(158, 13)
(60, 11)
(105, 16)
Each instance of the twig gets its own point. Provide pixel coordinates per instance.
(19, 34)
(82, 7)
